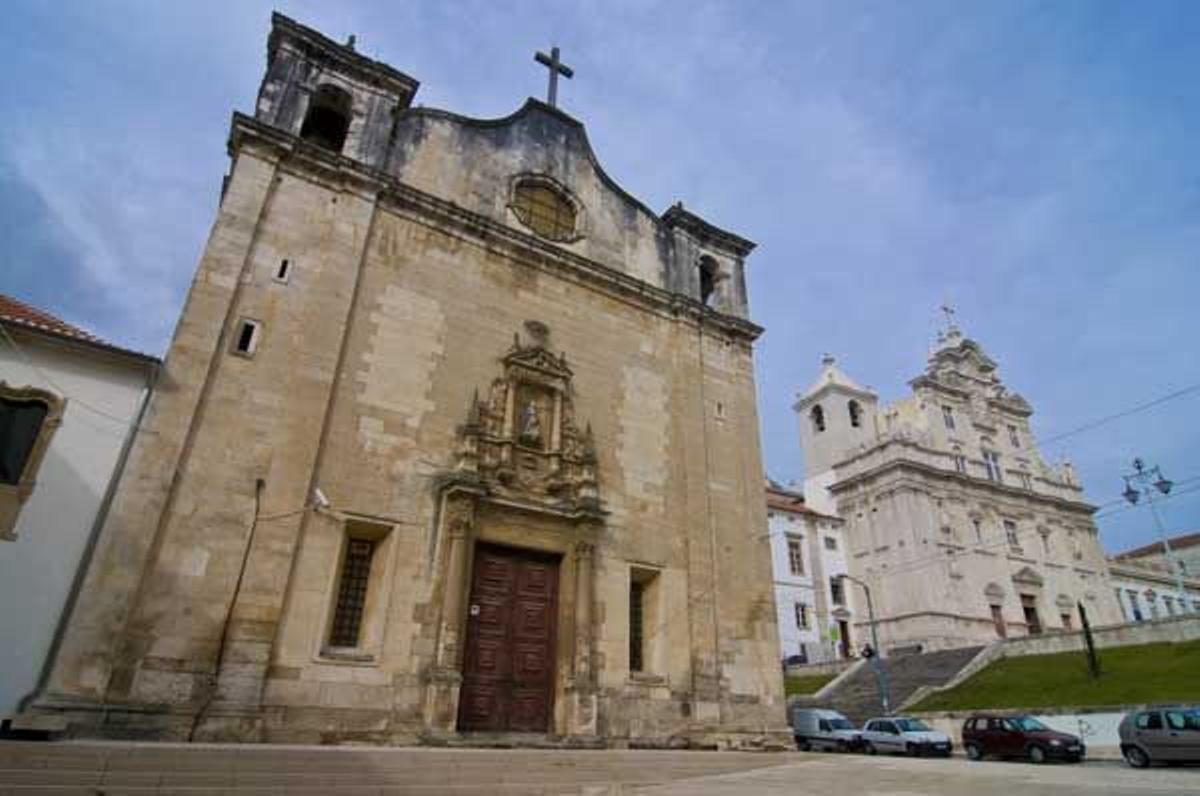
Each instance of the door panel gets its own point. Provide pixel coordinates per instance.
(508, 665)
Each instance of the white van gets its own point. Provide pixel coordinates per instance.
(817, 729)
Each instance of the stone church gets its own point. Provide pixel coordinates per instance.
(454, 437)
(961, 530)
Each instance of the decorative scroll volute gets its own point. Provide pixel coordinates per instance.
(521, 439)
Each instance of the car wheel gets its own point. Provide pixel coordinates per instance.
(974, 751)
(1135, 757)
(841, 746)
(910, 750)
(1037, 755)
(803, 745)
(869, 748)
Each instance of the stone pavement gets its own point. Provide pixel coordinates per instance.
(126, 769)
(899, 776)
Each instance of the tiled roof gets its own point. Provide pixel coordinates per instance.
(1177, 543)
(784, 500)
(18, 313)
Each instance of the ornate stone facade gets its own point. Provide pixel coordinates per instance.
(962, 531)
(350, 477)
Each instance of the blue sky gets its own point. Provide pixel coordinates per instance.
(1033, 162)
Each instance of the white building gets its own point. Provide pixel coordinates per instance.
(815, 608)
(69, 403)
(1146, 593)
(961, 529)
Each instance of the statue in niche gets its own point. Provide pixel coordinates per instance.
(531, 427)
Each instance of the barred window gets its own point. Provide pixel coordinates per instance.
(636, 595)
(352, 592)
(544, 210)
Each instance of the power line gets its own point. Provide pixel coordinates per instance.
(1175, 494)
(1126, 413)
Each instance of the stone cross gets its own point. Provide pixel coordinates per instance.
(556, 68)
(948, 309)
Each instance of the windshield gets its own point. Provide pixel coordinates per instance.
(912, 725)
(1028, 724)
(840, 724)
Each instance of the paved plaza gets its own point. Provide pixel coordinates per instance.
(204, 770)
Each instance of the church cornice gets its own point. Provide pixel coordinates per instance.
(862, 480)
(431, 210)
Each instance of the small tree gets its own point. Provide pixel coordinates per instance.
(1092, 659)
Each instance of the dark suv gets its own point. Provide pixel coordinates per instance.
(1018, 736)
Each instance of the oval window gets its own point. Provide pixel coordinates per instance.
(544, 210)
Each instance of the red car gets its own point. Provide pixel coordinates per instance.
(1019, 736)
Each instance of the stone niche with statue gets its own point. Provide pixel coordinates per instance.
(521, 445)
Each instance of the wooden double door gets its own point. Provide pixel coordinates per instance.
(508, 662)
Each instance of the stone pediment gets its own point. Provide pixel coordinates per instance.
(1028, 576)
(521, 445)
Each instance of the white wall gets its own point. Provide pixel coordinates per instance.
(819, 564)
(37, 568)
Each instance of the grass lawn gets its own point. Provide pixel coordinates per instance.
(1128, 675)
(809, 684)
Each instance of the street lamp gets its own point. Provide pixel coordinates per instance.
(1146, 480)
(873, 660)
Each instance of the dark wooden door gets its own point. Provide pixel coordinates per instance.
(508, 664)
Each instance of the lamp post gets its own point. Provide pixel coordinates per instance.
(1145, 480)
(880, 674)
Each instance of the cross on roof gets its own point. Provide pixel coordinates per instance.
(556, 68)
(948, 310)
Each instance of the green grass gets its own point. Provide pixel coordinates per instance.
(1143, 674)
(809, 684)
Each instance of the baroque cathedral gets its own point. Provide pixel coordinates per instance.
(454, 436)
(952, 518)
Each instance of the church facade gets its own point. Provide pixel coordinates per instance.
(454, 437)
(963, 533)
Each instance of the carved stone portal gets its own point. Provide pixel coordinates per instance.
(521, 443)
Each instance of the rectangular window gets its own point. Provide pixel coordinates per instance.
(1026, 482)
(960, 463)
(1121, 602)
(978, 530)
(991, 460)
(20, 425)
(836, 595)
(283, 271)
(1137, 607)
(637, 593)
(795, 555)
(801, 615)
(948, 417)
(1010, 532)
(1169, 604)
(1014, 437)
(1033, 622)
(352, 592)
(1066, 621)
(830, 543)
(248, 334)
(998, 621)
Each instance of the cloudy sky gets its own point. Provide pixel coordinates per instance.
(1035, 163)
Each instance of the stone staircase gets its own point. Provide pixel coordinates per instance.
(857, 697)
(142, 769)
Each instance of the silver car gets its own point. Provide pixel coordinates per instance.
(904, 735)
(1170, 735)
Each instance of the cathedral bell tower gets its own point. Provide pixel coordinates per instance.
(836, 413)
